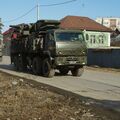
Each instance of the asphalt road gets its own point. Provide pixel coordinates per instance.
(95, 84)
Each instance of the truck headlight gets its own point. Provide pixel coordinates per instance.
(59, 53)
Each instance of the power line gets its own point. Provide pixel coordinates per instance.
(56, 4)
(46, 5)
(21, 15)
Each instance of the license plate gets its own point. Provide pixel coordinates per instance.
(72, 62)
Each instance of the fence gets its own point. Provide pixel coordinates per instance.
(104, 57)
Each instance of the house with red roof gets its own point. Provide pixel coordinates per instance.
(7, 41)
(96, 35)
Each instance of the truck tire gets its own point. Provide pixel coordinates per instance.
(22, 66)
(36, 66)
(16, 63)
(47, 70)
(77, 71)
(64, 71)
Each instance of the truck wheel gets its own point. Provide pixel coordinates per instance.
(47, 70)
(36, 66)
(77, 71)
(64, 71)
(16, 63)
(22, 63)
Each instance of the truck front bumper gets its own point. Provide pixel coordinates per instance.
(71, 61)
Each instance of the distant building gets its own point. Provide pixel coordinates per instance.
(1, 39)
(113, 23)
(7, 41)
(96, 35)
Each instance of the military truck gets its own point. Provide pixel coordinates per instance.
(43, 47)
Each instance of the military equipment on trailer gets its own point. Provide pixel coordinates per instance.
(44, 47)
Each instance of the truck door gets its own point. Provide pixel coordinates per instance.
(50, 43)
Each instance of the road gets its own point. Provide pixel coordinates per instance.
(95, 84)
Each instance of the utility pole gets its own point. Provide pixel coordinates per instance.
(37, 9)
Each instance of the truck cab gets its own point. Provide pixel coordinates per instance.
(66, 50)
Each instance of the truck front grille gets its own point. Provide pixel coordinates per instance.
(72, 60)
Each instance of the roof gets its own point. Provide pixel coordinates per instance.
(8, 31)
(82, 23)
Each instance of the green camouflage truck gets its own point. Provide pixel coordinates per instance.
(44, 47)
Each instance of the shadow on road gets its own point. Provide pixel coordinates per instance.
(7, 67)
(111, 104)
(28, 71)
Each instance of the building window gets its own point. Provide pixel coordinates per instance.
(101, 39)
(92, 39)
(87, 37)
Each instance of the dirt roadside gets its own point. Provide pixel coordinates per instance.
(21, 99)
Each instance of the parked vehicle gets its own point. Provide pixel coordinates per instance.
(44, 47)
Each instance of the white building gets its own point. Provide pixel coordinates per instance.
(109, 22)
(1, 37)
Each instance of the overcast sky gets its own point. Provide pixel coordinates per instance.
(20, 11)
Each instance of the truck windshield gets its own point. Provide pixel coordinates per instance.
(69, 36)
